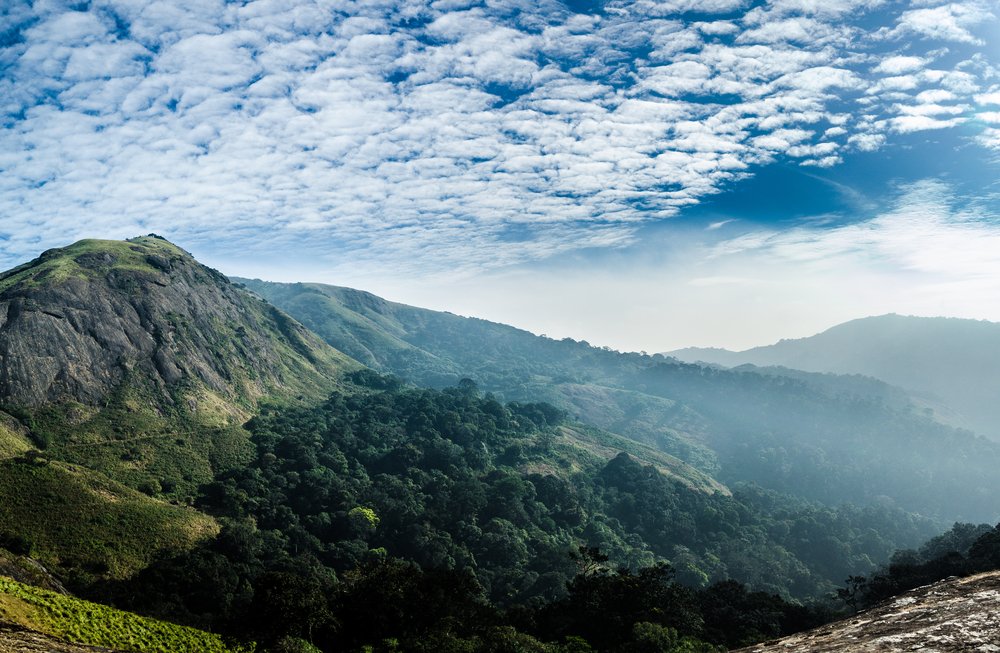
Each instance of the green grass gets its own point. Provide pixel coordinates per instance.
(606, 446)
(84, 525)
(66, 262)
(83, 622)
(12, 442)
(140, 439)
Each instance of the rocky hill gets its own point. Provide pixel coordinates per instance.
(957, 614)
(127, 371)
(78, 321)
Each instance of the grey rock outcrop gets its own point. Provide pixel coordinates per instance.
(77, 321)
(958, 614)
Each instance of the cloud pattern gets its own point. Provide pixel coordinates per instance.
(451, 134)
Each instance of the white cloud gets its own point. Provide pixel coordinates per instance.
(442, 136)
(992, 97)
(949, 22)
(922, 233)
(899, 64)
(913, 123)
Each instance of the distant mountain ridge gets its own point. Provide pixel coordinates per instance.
(954, 360)
(782, 429)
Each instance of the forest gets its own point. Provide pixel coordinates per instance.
(400, 518)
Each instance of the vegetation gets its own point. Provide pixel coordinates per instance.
(355, 512)
(829, 439)
(964, 550)
(13, 439)
(83, 622)
(135, 360)
(84, 525)
(89, 259)
(142, 440)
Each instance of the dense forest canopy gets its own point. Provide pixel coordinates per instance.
(452, 492)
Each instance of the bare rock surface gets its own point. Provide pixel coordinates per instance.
(958, 614)
(79, 320)
(14, 639)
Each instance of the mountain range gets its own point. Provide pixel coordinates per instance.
(306, 464)
(951, 364)
(831, 438)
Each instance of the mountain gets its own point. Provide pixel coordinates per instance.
(818, 436)
(127, 370)
(175, 445)
(80, 320)
(133, 359)
(946, 360)
(957, 614)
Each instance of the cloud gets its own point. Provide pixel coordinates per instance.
(899, 64)
(927, 231)
(949, 22)
(443, 137)
(914, 123)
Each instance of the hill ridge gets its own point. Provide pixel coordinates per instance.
(950, 364)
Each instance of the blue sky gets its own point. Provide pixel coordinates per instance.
(644, 174)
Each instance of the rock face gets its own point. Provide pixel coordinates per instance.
(77, 321)
(950, 615)
(18, 640)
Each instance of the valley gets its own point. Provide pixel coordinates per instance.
(337, 471)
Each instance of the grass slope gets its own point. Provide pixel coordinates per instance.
(13, 437)
(604, 446)
(83, 622)
(83, 524)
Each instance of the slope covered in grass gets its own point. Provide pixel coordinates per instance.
(83, 622)
(80, 523)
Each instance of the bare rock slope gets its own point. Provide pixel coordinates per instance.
(14, 639)
(79, 320)
(950, 615)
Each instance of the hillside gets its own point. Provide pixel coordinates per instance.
(34, 619)
(949, 361)
(127, 370)
(828, 438)
(174, 445)
(134, 359)
(957, 614)
(80, 320)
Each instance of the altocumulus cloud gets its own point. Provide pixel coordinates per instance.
(450, 135)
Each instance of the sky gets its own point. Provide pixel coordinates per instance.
(641, 174)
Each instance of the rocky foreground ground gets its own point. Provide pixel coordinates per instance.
(17, 640)
(958, 614)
